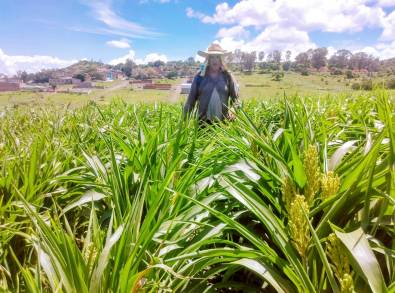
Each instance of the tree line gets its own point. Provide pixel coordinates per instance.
(275, 61)
(312, 59)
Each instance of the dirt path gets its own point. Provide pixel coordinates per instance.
(121, 85)
(98, 95)
(175, 91)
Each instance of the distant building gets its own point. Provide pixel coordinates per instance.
(185, 88)
(75, 81)
(84, 85)
(61, 80)
(111, 74)
(35, 88)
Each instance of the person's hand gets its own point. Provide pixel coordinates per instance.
(231, 115)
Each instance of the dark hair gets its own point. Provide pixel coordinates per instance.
(224, 68)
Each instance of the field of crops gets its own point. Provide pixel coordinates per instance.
(296, 195)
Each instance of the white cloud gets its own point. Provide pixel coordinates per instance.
(132, 56)
(234, 31)
(194, 14)
(117, 24)
(230, 44)
(309, 15)
(386, 3)
(121, 44)
(270, 39)
(158, 1)
(286, 24)
(331, 51)
(389, 27)
(199, 58)
(276, 37)
(381, 50)
(10, 65)
(152, 57)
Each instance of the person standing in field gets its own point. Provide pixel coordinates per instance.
(213, 88)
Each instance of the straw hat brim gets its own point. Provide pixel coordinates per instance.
(208, 53)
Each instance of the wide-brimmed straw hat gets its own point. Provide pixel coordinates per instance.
(213, 49)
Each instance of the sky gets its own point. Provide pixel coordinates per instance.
(56, 33)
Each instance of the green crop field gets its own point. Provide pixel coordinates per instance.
(252, 86)
(296, 195)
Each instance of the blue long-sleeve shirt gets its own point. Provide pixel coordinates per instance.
(227, 90)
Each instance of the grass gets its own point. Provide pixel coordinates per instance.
(254, 86)
(263, 86)
(77, 100)
(130, 197)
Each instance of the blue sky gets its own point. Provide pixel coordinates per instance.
(55, 33)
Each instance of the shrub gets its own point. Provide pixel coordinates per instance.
(356, 86)
(277, 76)
(390, 84)
(337, 72)
(304, 72)
(172, 75)
(349, 74)
(79, 76)
(367, 84)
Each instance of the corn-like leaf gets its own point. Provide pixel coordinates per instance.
(363, 258)
(88, 197)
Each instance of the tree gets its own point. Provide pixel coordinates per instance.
(23, 75)
(288, 56)
(302, 61)
(80, 76)
(157, 63)
(230, 59)
(172, 75)
(269, 57)
(261, 56)
(287, 63)
(97, 76)
(43, 76)
(190, 61)
(359, 61)
(340, 59)
(318, 57)
(248, 60)
(373, 64)
(238, 58)
(127, 68)
(277, 56)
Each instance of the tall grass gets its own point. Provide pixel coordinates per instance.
(297, 194)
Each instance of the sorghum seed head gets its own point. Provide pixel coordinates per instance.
(312, 170)
(337, 256)
(298, 226)
(346, 284)
(288, 192)
(330, 184)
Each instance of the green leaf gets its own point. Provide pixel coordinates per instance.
(363, 259)
(89, 196)
(266, 273)
(340, 153)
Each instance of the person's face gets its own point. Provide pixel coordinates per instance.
(214, 62)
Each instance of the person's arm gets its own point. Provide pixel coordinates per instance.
(234, 93)
(192, 98)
